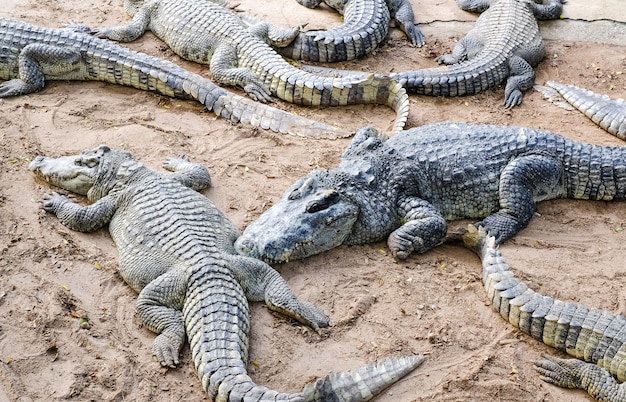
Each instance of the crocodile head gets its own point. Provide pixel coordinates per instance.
(91, 173)
(314, 215)
(354, 203)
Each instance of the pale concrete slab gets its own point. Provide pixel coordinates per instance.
(427, 11)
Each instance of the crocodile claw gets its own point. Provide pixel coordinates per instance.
(52, 201)
(166, 348)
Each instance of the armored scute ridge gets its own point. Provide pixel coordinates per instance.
(31, 55)
(366, 23)
(610, 114)
(595, 336)
(404, 189)
(176, 250)
(205, 32)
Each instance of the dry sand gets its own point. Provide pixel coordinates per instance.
(53, 279)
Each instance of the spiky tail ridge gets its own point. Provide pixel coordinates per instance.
(217, 325)
(610, 114)
(595, 336)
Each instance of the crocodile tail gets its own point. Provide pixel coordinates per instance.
(365, 26)
(382, 90)
(610, 114)
(588, 334)
(467, 78)
(217, 324)
(238, 109)
(361, 384)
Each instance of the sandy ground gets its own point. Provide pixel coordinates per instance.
(69, 328)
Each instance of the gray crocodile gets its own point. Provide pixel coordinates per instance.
(205, 32)
(504, 45)
(610, 114)
(596, 338)
(176, 250)
(366, 24)
(406, 188)
(31, 55)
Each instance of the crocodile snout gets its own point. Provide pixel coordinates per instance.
(37, 162)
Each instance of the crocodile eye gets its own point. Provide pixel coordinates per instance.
(316, 206)
(328, 199)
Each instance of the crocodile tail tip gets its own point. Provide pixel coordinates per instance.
(363, 383)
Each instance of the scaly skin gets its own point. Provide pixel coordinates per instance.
(205, 32)
(366, 23)
(31, 55)
(597, 337)
(176, 250)
(504, 45)
(406, 188)
(610, 114)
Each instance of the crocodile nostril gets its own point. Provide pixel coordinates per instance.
(35, 163)
(245, 246)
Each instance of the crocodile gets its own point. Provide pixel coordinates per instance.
(504, 45)
(176, 250)
(30, 55)
(610, 114)
(406, 188)
(205, 32)
(366, 24)
(596, 338)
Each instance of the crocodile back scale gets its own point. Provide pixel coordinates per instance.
(176, 249)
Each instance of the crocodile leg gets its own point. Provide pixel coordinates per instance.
(224, 71)
(77, 217)
(402, 13)
(33, 59)
(159, 306)
(127, 33)
(522, 79)
(192, 175)
(523, 182)
(424, 228)
(550, 11)
(276, 36)
(573, 373)
(466, 48)
(262, 283)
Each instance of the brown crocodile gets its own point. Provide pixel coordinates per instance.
(31, 55)
(205, 32)
(596, 338)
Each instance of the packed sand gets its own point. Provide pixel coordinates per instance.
(69, 328)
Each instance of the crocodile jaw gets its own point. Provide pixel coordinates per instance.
(291, 229)
(67, 172)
